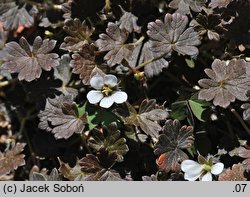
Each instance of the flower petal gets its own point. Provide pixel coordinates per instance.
(207, 177)
(107, 102)
(110, 80)
(217, 168)
(94, 96)
(119, 97)
(191, 167)
(191, 177)
(97, 82)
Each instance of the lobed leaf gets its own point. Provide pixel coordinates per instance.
(79, 34)
(171, 141)
(28, 61)
(114, 43)
(172, 35)
(83, 63)
(11, 159)
(226, 83)
(61, 117)
(110, 140)
(234, 174)
(184, 6)
(146, 118)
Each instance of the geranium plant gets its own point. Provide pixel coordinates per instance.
(113, 90)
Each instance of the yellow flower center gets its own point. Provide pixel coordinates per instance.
(206, 168)
(107, 90)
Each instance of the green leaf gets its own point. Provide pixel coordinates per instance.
(198, 107)
(97, 116)
(190, 63)
(178, 110)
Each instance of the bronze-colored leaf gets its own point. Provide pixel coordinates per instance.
(61, 117)
(146, 118)
(11, 159)
(72, 174)
(234, 174)
(83, 63)
(171, 141)
(114, 43)
(184, 6)
(79, 34)
(172, 35)
(28, 61)
(99, 168)
(227, 82)
(110, 140)
(245, 153)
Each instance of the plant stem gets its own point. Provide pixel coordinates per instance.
(139, 41)
(236, 114)
(147, 62)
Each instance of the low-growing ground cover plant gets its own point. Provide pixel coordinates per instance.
(125, 90)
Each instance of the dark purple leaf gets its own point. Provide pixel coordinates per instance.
(172, 140)
(28, 61)
(13, 15)
(79, 34)
(128, 21)
(219, 3)
(11, 159)
(83, 63)
(172, 35)
(184, 6)
(98, 168)
(147, 117)
(227, 82)
(61, 117)
(114, 43)
(208, 24)
(110, 140)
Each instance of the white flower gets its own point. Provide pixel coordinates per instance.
(202, 170)
(107, 92)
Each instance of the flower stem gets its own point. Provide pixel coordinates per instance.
(236, 114)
